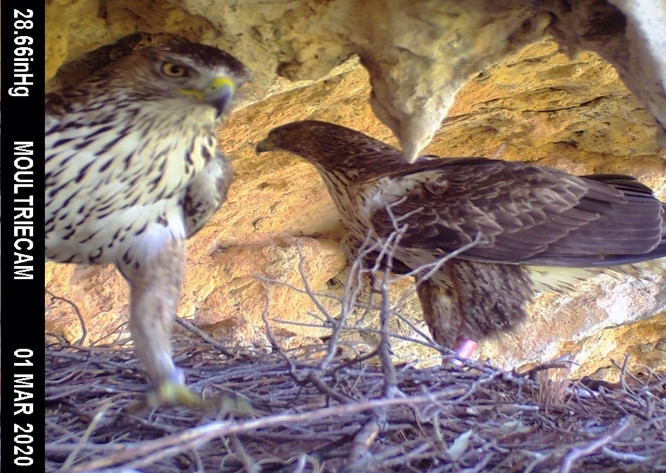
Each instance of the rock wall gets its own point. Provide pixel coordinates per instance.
(522, 99)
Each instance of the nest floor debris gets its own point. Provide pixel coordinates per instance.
(343, 416)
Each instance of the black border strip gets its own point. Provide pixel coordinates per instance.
(22, 170)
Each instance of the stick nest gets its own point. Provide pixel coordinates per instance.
(326, 409)
(344, 416)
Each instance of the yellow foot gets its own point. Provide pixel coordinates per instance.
(174, 393)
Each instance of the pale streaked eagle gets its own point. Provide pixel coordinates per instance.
(133, 169)
(520, 216)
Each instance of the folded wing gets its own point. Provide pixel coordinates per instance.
(526, 214)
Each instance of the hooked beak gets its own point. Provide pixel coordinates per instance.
(217, 94)
(264, 145)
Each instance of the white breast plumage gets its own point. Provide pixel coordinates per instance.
(112, 186)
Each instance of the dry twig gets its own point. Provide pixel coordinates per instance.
(326, 414)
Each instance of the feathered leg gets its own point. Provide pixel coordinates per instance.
(471, 300)
(440, 311)
(490, 297)
(154, 293)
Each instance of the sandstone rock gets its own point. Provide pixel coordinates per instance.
(536, 104)
(588, 326)
(419, 54)
(226, 291)
(243, 282)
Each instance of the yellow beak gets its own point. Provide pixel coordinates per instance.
(218, 93)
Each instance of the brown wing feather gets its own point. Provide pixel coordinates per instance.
(527, 214)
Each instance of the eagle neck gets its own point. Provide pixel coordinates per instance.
(339, 186)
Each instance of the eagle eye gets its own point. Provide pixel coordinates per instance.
(171, 69)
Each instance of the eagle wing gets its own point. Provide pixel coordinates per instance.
(522, 214)
(206, 192)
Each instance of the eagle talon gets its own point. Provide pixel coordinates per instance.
(177, 394)
(171, 393)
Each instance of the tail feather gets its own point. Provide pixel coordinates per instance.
(637, 192)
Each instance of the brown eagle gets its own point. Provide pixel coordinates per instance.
(511, 217)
